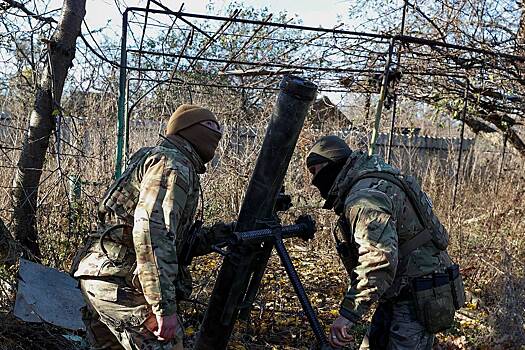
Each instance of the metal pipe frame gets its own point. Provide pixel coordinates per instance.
(402, 38)
(257, 64)
(394, 107)
(392, 127)
(121, 117)
(382, 95)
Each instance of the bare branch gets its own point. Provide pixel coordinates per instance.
(6, 4)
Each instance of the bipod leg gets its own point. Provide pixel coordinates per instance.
(301, 293)
(257, 275)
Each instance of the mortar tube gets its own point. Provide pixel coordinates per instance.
(293, 102)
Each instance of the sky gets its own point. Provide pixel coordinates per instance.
(316, 13)
(322, 13)
(106, 14)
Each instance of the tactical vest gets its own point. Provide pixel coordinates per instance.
(432, 230)
(121, 197)
(424, 274)
(113, 255)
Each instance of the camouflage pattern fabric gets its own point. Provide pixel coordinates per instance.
(380, 219)
(146, 258)
(113, 318)
(395, 327)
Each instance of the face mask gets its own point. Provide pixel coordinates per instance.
(203, 139)
(324, 179)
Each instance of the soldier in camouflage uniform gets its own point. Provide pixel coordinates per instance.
(395, 257)
(129, 271)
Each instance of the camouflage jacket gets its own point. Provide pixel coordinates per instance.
(380, 219)
(158, 195)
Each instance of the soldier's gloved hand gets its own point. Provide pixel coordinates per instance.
(340, 332)
(221, 232)
(210, 236)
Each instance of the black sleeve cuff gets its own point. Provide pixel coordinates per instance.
(349, 315)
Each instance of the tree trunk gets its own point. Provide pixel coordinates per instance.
(8, 248)
(61, 50)
(520, 35)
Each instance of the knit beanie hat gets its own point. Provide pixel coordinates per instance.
(185, 122)
(328, 149)
(187, 115)
(331, 150)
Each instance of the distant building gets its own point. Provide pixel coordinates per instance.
(418, 154)
(324, 111)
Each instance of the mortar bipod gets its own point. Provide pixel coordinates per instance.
(303, 228)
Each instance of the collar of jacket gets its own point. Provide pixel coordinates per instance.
(175, 141)
(357, 165)
(333, 201)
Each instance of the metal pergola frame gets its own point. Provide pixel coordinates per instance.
(401, 39)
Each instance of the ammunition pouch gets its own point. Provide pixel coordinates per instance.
(121, 197)
(115, 247)
(114, 252)
(437, 297)
(105, 254)
(456, 284)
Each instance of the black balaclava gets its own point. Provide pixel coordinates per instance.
(203, 139)
(185, 122)
(332, 150)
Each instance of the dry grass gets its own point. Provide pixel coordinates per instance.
(18, 335)
(486, 227)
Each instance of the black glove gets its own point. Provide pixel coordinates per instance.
(208, 237)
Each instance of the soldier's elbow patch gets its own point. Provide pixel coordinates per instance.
(371, 225)
(369, 198)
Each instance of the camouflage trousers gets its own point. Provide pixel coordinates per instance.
(115, 315)
(395, 327)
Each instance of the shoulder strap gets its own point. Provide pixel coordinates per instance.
(422, 237)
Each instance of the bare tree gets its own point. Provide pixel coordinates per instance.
(495, 95)
(61, 52)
